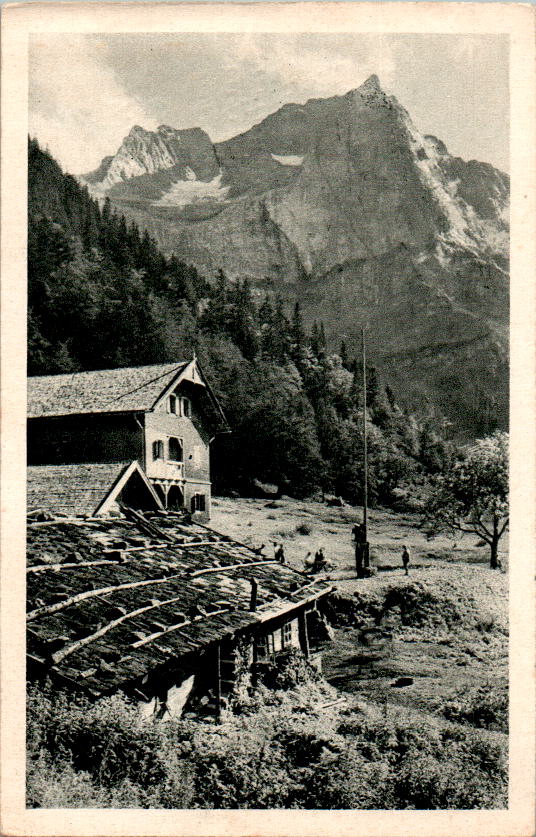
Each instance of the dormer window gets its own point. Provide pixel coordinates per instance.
(186, 407)
(179, 406)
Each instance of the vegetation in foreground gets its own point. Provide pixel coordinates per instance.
(438, 743)
(283, 751)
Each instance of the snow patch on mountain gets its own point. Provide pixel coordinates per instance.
(287, 159)
(184, 192)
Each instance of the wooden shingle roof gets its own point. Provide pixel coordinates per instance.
(134, 388)
(74, 490)
(110, 600)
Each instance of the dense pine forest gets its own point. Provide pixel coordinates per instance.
(102, 295)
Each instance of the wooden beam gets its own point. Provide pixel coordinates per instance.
(177, 627)
(46, 610)
(80, 643)
(302, 622)
(241, 566)
(37, 568)
(218, 682)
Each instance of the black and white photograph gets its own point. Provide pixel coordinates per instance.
(269, 421)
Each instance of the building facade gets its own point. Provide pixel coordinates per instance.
(162, 416)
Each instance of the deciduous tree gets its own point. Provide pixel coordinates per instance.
(472, 495)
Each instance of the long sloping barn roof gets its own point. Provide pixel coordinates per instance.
(134, 388)
(110, 600)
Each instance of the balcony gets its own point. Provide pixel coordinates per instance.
(165, 469)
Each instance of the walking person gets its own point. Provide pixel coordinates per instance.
(405, 558)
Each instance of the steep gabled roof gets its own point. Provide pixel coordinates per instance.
(87, 489)
(130, 389)
(110, 600)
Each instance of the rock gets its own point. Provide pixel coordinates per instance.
(334, 501)
(265, 489)
(400, 682)
(392, 230)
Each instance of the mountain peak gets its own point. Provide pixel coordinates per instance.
(137, 130)
(166, 129)
(371, 83)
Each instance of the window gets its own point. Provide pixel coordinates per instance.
(265, 646)
(186, 407)
(172, 404)
(158, 449)
(286, 635)
(174, 449)
(198, 503)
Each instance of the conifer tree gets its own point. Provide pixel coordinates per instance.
(343, 352)
(297, 336)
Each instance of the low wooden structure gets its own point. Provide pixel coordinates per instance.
(157, 606)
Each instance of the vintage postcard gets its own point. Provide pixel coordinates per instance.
(268, 419)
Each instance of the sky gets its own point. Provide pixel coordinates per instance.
(87, 91)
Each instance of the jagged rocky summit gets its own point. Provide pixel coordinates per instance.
(354, 211)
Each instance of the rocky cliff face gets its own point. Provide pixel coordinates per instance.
(147, 162)
(355, 212)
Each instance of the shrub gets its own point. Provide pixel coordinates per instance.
(287, 752)
(483, 706)
(304, 529)
(430, 767)
(341, 610)
(420, 606)
(288, 671)
(109, 743)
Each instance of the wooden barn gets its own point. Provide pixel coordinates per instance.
(162, 417)
(159, 607)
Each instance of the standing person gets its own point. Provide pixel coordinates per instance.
(361, 552)
(280, 554)
(405, 558)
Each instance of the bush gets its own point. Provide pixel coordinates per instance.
(358, 610)
(484, 706)
(109, 744)
(288, 671)
(420, 606)
(287, 752)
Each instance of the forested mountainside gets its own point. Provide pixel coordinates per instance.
(343, 204)
(101, 294)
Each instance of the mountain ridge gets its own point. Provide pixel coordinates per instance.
(344, 204)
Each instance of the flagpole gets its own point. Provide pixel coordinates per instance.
(365, 451)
